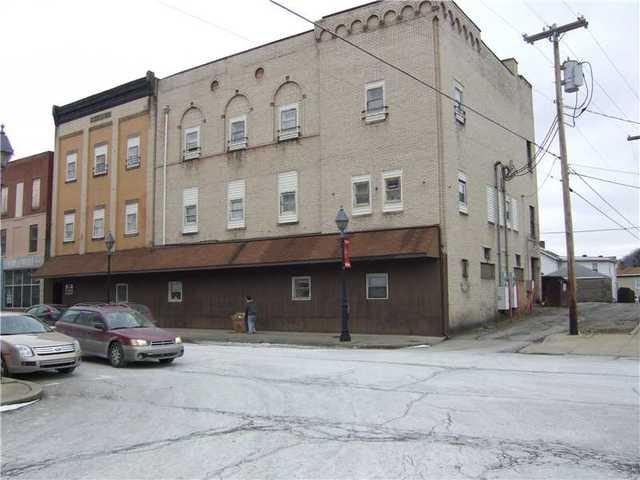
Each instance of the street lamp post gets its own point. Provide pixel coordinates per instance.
(110, 243)
(342, 220)
(6, 152)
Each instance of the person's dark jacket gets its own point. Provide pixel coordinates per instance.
(250, 309)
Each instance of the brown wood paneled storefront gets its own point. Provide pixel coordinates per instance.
(211, 294)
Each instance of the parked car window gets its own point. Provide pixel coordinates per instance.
(127, 319)
(86, 319)
(21, 324)
(70, 316)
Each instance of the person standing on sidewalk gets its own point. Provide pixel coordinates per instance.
(251, 314)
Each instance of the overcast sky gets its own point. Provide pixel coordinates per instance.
(58, 52)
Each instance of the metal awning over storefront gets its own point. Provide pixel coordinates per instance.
(417, 242)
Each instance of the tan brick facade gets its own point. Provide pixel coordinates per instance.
(419, 136)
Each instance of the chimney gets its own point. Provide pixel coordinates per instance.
(511, 64)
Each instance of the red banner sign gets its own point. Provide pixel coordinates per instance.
(346, 260)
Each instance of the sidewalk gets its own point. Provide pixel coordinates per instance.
(613, 344)
(14, 391)
(315, 339)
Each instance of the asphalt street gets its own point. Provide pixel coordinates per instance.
(260, 411)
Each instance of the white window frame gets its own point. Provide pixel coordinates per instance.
(357, 209)
(126, 288)
(19, 200)
(377, 275)
(375, 115)
(178, 285)
(241, 144)
(294, 297)
(72, 159)
(5, 200)
(130, 208)
(236, 190)
(133, 141)
(289, 133)
(69, 219)
(35, 193)
(100, 149)
(287, 217)
(194, 152)
(463, 206)
(189, 227)
(392, 206)
(98, 214)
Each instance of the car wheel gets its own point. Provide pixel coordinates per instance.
(5, 370)
(166, 360)
(116, 355)
(67, 370)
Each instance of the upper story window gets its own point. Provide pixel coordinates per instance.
(72, 164)
(288, 197)
(361, 195)
(98, 224)
(392, 186)
(33, 238)
(19, 199)
(190, 210)
(518, 260)
(191, 143)
(133, 152)
(100, 159)
(69, 226)
(131, 218)
(289, 123)
(238, 133)
(531, 154)
(458, 104)
(374, 107)
(594, 266)
(235, 204)
(5, 200)
(532, 221)
(3, 242)
(486, 254)
(35, 194)
(463, 198)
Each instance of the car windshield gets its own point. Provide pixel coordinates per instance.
(127, 319)
(21, 324)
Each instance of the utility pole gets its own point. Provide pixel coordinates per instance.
(553, 34)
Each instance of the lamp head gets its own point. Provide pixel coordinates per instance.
(110, 243)
(342, 220)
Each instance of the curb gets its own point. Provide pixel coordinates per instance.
(346, 345)
(18, 391)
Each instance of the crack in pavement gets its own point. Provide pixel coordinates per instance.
(510, 452)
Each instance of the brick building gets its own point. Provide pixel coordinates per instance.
(25, 233)
(256, 152)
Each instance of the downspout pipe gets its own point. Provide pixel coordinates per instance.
(506, 238)
(164, 175)
(496, 166)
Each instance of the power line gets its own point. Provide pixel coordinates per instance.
(577, 56)
(604, 199)
(204, 20)
(604, 169)
(610, 181)
(591, 230)
(603, 213)
(409, 74)
(606, 55)
(612, 117)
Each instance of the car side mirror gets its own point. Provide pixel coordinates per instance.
(99, 326)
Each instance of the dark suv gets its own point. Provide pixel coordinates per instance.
(118, 333)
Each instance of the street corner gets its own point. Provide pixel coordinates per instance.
(14, 392)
